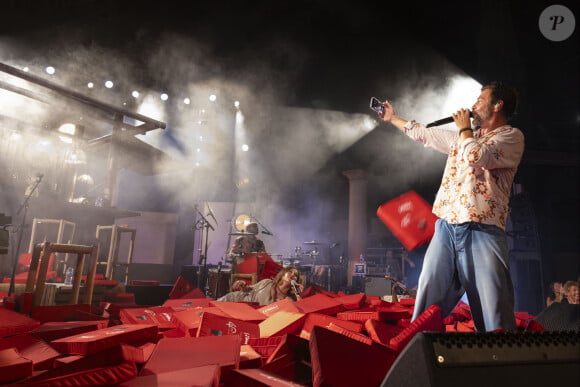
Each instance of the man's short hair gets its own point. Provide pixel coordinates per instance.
(506, 93)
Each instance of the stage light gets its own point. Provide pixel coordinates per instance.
(75, 156)
(200, 138)
(164, 97)
(90, 85)
(245, 148)
(212, 97)
(198, 150)
(50, 70)
(237, 104)
(109, 84)
(135, 94)
(197, 163)
(186, 101)
(68, 128)
(26, 69)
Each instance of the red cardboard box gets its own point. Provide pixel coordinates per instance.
(96, 341)
(410, 219)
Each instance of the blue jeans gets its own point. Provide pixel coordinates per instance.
(469, 258)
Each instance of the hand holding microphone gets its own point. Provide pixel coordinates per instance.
(297, 288)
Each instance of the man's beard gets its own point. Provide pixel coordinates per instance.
(479, 118)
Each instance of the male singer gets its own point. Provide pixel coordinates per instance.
(469, 251)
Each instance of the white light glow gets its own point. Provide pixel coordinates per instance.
(186, 101)
(67, 128)
(164, 97)
(245, 148)
(50, 70)
(462, 92)
(237, 104)
(109, 84)
(135, 94)
(26, 69)
(212, 97)
(90, 85)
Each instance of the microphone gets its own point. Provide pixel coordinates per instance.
(39, 176)
(211, 214)
(294, 287)
(267, 232)
(443, 121)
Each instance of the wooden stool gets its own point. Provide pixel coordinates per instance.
(40, 257)
(113, 255)
(60, 238)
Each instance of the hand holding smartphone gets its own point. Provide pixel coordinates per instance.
(377, 106)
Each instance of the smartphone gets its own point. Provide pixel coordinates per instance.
(377, 106)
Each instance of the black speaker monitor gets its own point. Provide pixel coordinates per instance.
(487, 359)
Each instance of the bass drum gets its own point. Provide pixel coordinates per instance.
(218, 283)
(328, 277)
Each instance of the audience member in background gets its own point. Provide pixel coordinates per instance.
(555, 293)
(268, 291)
(572, 292)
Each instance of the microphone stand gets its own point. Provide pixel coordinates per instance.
(23, 206)
(204, 223)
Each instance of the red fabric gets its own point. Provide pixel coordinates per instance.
(381, 332)
(204, 376)
(409, 218)
(156, 315)
(105, 338)
(50, 331)
(430, 320)
(13, 366)
(281, 323)
(269, 268)
(12, 323)
(214, 325)
(319, 303)
(338, 360)
(32, 348)
(189, 352)
(248, 266)
(322, 320)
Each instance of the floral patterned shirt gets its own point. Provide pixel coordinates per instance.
(478, 175)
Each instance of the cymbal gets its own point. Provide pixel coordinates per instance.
(312, 243)
(241, 233)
